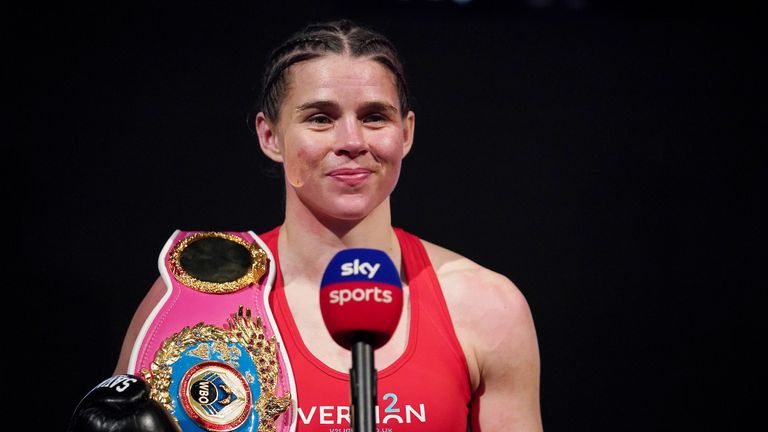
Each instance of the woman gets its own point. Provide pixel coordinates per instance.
(335, 114)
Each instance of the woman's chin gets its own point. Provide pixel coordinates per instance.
(351, 210)
(343, 208)
(350, 215)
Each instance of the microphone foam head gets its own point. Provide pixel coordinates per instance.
(361, 297)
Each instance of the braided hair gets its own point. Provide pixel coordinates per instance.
(316, 40)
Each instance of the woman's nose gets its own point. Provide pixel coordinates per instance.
(350, 140)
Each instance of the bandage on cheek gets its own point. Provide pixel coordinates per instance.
(296, 168)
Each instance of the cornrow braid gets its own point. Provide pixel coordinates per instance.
(316, 40)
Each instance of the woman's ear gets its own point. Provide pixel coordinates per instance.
(409, 127)
(268, 140)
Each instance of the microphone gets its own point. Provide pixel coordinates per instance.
(361, 300)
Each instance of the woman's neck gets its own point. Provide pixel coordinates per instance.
(306, 243)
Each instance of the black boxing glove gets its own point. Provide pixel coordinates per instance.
(118, 404)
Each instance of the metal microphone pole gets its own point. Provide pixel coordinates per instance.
(363, 383)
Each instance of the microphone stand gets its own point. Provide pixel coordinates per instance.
(363, 383)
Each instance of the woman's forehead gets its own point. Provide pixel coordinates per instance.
(339, 74)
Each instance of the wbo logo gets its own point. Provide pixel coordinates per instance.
(355, 268)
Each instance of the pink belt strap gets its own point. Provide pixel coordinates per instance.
(211, 351)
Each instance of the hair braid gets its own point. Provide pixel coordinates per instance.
(316, 40)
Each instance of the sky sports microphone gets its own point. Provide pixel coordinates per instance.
(361, 300)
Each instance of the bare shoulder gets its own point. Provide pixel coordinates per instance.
(476, 288)
(495, 329)
(490, 314)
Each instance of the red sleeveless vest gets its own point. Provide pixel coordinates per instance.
(426, 389)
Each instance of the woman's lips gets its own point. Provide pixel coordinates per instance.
(350, 176)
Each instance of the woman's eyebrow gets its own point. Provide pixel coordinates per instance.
(316, 104)
(380, 106)
(326, 104)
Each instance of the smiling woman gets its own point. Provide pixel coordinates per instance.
(340, 137)
(335, 114)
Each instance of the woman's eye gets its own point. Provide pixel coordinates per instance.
(375, 118)
(319, 119)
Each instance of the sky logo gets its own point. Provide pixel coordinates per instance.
(355, 268)
(370, 267)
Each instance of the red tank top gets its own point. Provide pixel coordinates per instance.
(426, 389)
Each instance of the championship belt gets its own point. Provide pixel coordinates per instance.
(210, 350)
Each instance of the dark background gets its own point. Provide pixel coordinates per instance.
(602, 155)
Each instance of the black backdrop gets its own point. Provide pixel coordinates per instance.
(603, 157)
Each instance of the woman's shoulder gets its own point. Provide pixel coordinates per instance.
(489, 313)
(478, 298)
(462, 273)
(474, 291)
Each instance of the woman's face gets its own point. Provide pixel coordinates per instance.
(340, 136)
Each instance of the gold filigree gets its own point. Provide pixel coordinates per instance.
(158, 377)
(269, 407)
(229, 354)
(259, 262)
(200, 352)
(263, 351)
(242, 330)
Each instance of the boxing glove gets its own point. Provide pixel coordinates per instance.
(121, 403)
